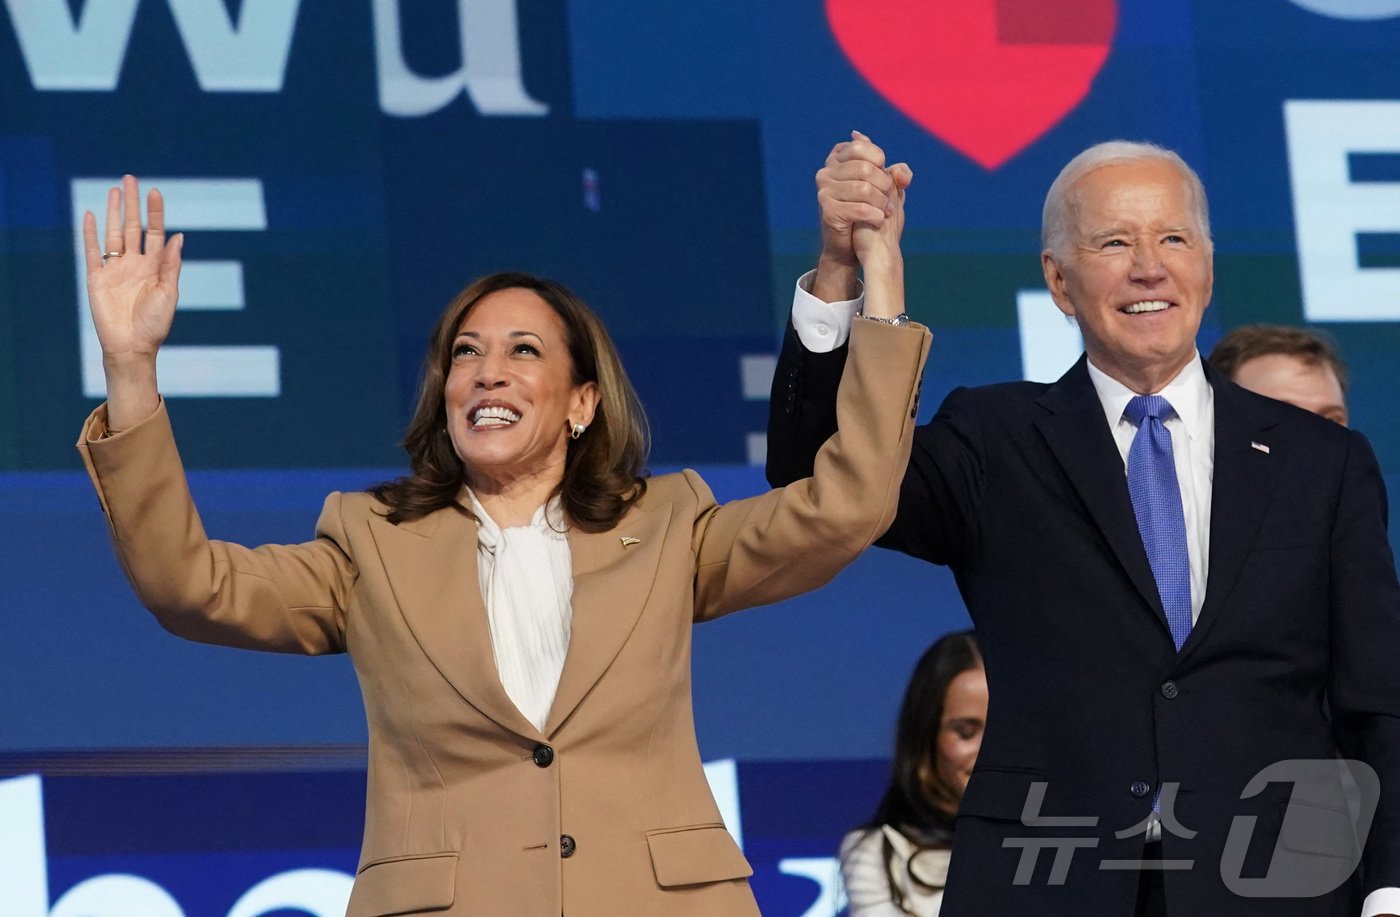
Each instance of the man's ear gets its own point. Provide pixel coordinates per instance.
(1210, 278)
(1055, 282)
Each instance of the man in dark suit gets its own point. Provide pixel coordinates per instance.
(1172, 579)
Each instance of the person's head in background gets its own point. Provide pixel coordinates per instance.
(938, 735)
(1298, 365)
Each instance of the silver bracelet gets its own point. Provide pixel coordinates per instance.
(899, 321)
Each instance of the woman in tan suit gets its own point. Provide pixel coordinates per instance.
(518, 607)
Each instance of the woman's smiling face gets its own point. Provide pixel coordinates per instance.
(510, 394)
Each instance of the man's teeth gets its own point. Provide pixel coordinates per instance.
(1151, 305)
(494, 417)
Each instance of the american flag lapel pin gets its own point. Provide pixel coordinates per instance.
(628, 541)
(1258, 446)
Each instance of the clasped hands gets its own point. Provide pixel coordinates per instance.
(862, 219)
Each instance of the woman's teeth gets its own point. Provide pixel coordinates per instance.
(494, 417)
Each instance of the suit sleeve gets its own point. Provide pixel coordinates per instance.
(940, 490)
(796, 538)
(1364, 689)
(283, 598)
(801, 408)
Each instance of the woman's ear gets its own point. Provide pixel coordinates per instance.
(584, 403)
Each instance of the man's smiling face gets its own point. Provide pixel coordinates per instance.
(1136, 273)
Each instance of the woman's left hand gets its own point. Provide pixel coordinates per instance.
(878, 246)
(881, 260)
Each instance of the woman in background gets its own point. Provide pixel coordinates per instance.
(897, 864)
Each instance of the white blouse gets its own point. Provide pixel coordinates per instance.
(527, 583)
(869, 881)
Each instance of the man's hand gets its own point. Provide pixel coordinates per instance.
(853, 187)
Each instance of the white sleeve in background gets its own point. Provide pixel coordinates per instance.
(1381, 901)
(866, 879)
(822, 326)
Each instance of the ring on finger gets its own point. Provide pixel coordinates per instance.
(106, 255)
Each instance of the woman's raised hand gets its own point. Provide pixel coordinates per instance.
(132, 291)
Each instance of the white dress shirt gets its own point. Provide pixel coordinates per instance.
(527, 584)
(822, 327)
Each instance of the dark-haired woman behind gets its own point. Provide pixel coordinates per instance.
(897, 864)
(518, 607)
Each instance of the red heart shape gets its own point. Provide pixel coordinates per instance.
(987, 77)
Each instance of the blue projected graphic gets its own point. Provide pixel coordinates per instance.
(341, 170)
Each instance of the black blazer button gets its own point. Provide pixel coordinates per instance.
(1170, 690)
(544, 756)
(1140, 789)
(567, 846)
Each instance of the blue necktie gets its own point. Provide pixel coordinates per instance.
(1156, 499)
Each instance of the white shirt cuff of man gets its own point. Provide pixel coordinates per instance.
(1381, 901)
(822, 326)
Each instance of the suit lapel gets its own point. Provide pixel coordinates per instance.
(613, 575)
(431, 566)
(1081, 441)
(1242, 485)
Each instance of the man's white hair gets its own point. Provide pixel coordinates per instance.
(1059, 205)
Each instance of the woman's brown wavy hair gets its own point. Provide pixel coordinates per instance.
(604, 470)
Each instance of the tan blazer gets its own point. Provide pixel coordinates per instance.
(471, 810)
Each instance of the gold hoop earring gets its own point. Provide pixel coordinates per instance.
(576, 430)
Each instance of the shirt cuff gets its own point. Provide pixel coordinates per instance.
(1381, 901)
(822, 326)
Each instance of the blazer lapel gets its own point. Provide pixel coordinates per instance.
(1242, 485)
(431, 566)
(613, 576)
(1075, 430)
